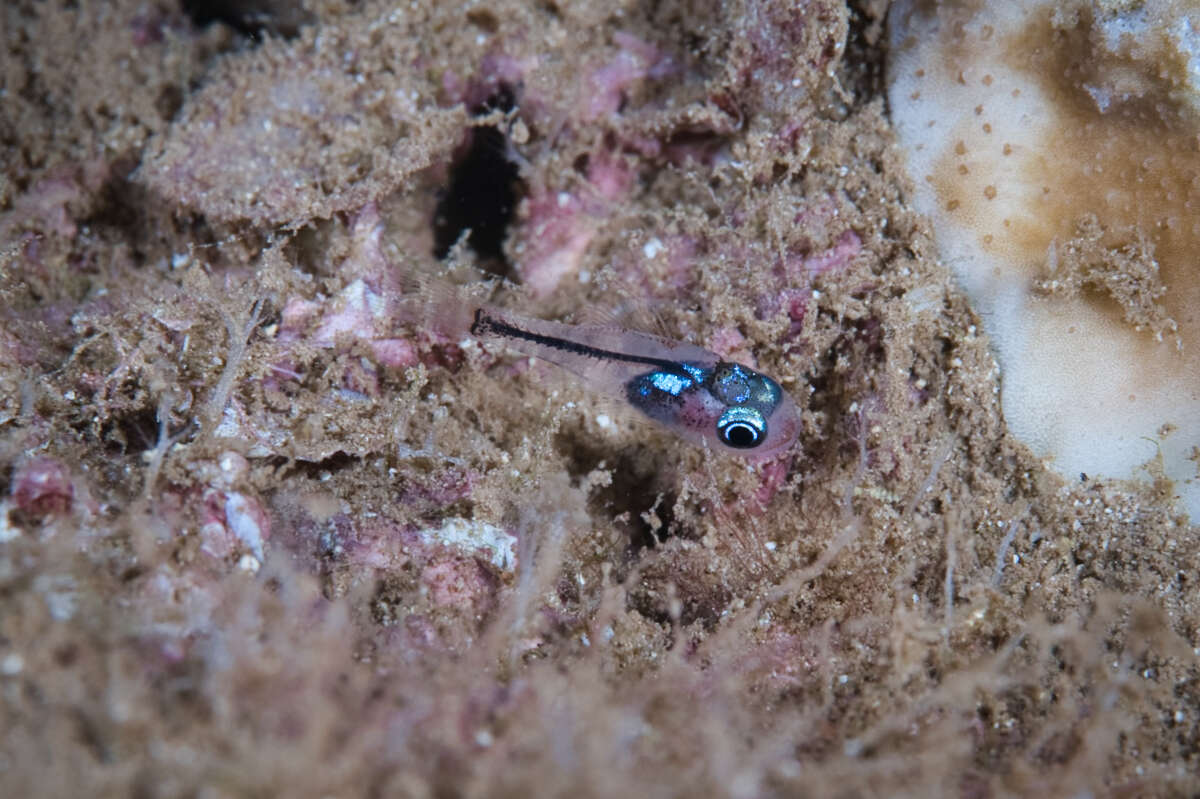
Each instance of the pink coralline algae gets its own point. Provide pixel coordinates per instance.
(559, 225)
(674, 257)
(558, 222)
(357, 313)
(57, 201)
(768, 82)
(363, 311)
(774, 476)
(836, 257)
(42, 486)
(372, 543)
(460, 581)
(730, 344)
(233, 523)
(608, 84)
(496, 71)
(793, 277)
(772, 479)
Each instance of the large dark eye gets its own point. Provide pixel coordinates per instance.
(742, 428)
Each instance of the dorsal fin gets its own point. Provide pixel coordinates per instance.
(628, 307)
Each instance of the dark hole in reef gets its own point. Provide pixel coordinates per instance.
(131, 432)
(6, 473)
(150, 229)
(131, 573)
(651, 517)
(123, 211)
(636, 497)
(698, 145)
(864, 59)
(336, 462)
(393, 593)
(482, 192)
(697, 602)
(250, 18)
(168, 102)
(308, 248)
(483, 19)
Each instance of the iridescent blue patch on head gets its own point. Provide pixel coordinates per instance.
(672, 383)
(659, 394)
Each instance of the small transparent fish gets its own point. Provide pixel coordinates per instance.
(685, 388)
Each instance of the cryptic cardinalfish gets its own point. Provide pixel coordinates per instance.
(686, 388)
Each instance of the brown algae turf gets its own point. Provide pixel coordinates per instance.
(262, 533)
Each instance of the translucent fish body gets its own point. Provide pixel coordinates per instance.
(685, 388)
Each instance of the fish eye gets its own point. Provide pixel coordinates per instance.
(742, 428)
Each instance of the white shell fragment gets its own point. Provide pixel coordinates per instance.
(498, 545)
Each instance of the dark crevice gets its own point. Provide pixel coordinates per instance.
(250, 18)
(654, 524)
(483, 19)
(131, 431)
(641, 504)
(128, 213)
(863, 61)
(695, 605)
(316, 470)
(482, 192)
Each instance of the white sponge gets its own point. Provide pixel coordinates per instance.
(1056, 149)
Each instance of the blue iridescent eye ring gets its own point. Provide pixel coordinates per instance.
(741, 427)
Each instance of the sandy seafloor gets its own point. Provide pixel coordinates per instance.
(268, 532)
